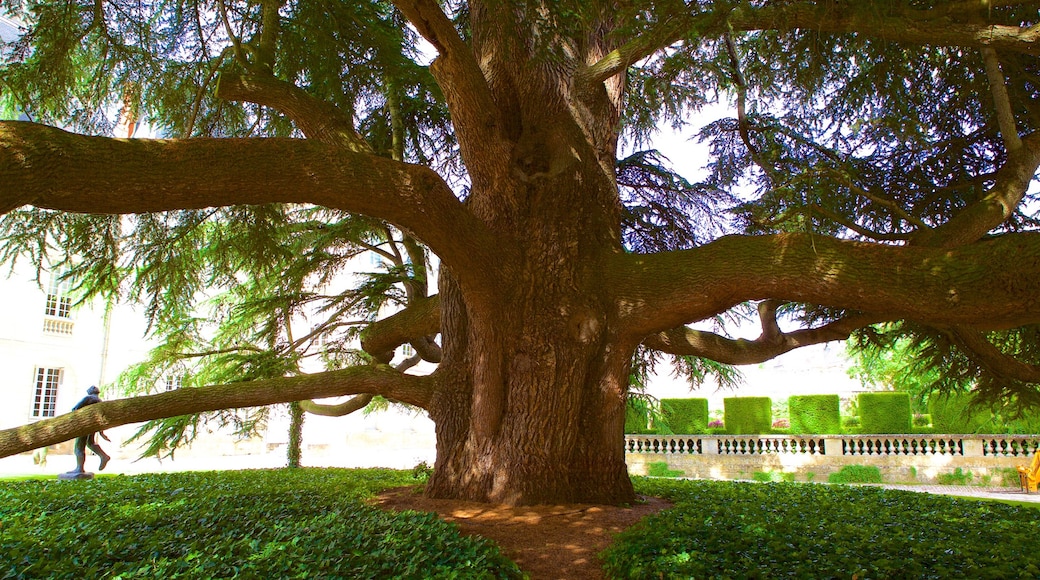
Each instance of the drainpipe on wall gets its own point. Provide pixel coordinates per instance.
(106, 337)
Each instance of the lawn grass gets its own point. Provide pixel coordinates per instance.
(1022, 504)
(798, 530)
(299, 523)
(314, 523)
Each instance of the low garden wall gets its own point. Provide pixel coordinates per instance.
(943, 459)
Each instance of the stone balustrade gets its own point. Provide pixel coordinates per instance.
(900, 457)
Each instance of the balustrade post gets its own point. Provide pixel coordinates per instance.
(972, 447)
(832, 447)
(710, 446)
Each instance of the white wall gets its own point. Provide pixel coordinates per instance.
(25, 346)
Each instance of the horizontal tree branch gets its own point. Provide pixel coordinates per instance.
(54, 169)
(874, 20)
(770, 344)
(381, 380)
(985, 285)
(920, 27)
(340, 410)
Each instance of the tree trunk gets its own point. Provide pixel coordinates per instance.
(534, 379)
(543, 422)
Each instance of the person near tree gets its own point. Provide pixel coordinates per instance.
(87, 441)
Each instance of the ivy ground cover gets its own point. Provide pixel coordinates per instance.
(796, 530)
(300, 523)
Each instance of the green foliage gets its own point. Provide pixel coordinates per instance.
(748, 415)
(783, 530)
(884, 412)
(815, 414)
(893, 362)
(956, 413)
(300, 523)
(661, 469)
(1008, 476)
(637, 415)
(957, 477)
(851, 425)
(422, 471)
(856, 474)
(772, 476)
(294, 450)
(685, 416)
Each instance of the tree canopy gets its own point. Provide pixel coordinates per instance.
(873, 166)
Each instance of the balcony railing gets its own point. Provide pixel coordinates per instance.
(57, 325)
(837, 445)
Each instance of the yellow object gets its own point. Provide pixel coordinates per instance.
(1030, 476)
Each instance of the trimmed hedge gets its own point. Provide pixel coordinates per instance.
(747, 415)
(814, 414)
(685, 416)
(794, 530)
(953, 413)
(288, 523)
(887, 412)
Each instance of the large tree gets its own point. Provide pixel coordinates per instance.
(879, 154)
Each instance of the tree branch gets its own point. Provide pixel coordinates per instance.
(1005, 117)
(475, 114)
(988, 356)
(342, 409)
(916, 27)
(771, 343)
(317, 119)
(54, 169)
(414, 390)
(670, 28)
(985, 285)
(872, 20)
(419, 319)
(975, 221)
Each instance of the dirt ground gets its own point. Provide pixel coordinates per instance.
(547, 542)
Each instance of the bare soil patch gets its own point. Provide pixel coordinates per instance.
(547, 542)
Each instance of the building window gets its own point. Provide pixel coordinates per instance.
(57, 312)
(45, 400)
(173, 382)
(407, 350)
(59, 303)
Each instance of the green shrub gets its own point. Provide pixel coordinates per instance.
(748, 415)
(772, 476)
(815, 414)
(660, 469)
(422, 471)
(685, 416)
(285, 523)
(1008, 476)
(720, 529)
(887, 412)
(856, 474)
(958, 477)
(954, 413)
